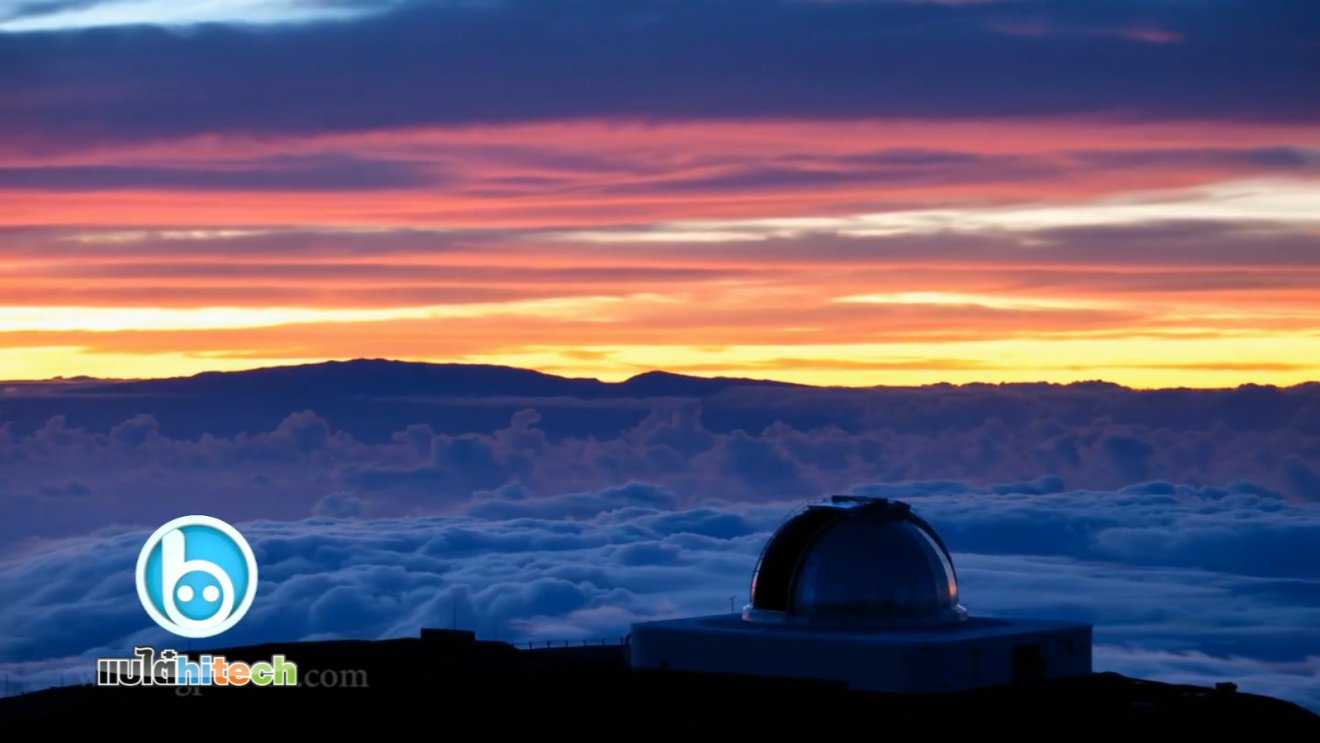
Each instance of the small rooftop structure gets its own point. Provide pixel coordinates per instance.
(448, 635)
(862, 590)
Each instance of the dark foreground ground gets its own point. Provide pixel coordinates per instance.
(451, 687)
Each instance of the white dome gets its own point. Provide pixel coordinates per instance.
(855, 562)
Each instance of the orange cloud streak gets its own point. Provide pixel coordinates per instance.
(986, 306)
(605, 174)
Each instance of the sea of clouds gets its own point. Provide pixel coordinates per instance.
(1183, 584)
(528, 537)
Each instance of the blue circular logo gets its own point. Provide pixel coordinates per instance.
(197, 576)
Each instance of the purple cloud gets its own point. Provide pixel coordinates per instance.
(665, 61)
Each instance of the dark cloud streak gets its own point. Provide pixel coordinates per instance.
(283, 174)
(537, 60)
(330, 173)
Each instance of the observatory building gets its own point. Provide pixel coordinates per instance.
(862, 590)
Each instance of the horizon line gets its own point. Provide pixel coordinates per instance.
(84, 379)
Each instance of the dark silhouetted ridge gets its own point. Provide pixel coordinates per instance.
(364, 377)
(449, 679)
(665, 384)
(373, 399)
(383, 378)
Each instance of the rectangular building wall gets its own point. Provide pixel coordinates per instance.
(973, 662)
(1007, 652)
(868, 666)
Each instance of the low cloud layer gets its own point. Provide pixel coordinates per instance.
(741, 444)
(1181, 523)
(1183, 584)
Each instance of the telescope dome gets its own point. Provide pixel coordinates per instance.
(852, 562)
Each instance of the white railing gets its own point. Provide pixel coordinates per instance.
(547, 644)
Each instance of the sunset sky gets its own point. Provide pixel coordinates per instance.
(853, 193)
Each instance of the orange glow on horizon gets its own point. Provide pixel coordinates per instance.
(852, 254)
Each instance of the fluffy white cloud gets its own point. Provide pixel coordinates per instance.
(1183, 584)
(57, 15)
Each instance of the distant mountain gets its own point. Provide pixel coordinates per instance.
(372, 399)
(383, 378)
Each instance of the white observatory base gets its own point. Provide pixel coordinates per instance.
(979, 652)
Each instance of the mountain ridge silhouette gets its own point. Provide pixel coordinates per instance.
(398, 378)
(495, 379)
(373, 399)
(402, 680)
